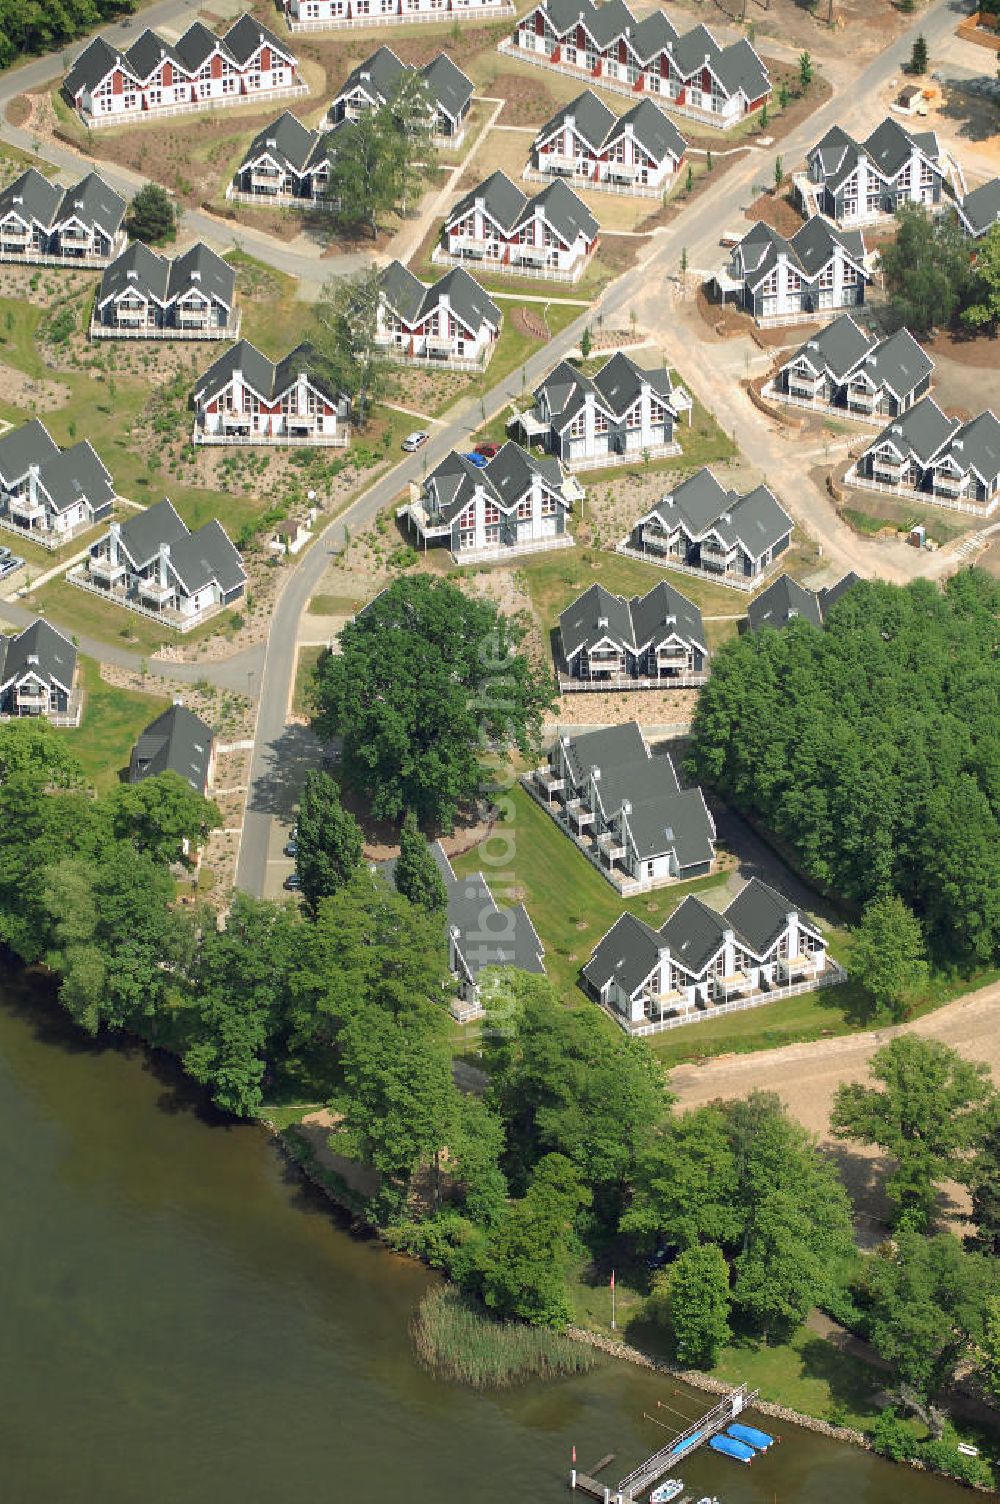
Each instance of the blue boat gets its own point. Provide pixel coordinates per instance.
(686, 1443)
(759, 1440)
(730, 1447)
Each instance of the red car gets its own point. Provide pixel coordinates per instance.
(487, 450)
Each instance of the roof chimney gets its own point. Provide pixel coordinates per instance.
(195, 275)
(131, 274)
(33, 659)
(602, 621)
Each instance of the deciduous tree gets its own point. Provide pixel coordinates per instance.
(530, 1251)
(699, 1297)
(329, 840)
(925, 1112)
(163, 816)
(152, 215)
(685, 1184)
(417, 875)
(343, 337)
(984, 311)
(888, 957)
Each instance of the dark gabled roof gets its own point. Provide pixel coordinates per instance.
(758, 915)
(207, 555)
(642, 783)
(447, 85)
(741, 70)
(755, 520)
(138, 266)
(809, 249)
(654, 34)
(654, 132)
(246, 34)
(94, 63)
(831, 594)
(76, 474)
(55, 653)
(40, 198)
(612, 746)
(923, 429)
(592, 120)
(178, 741)
(202, 267)
(509, 207)
(616, 387)
(693, 47)
(980, 209)
(286, 139)
(976, 446)
(31, 444)
(94, 202)
(413, 300)
(509, 473)
(620, 382)
(376, 77)
(142, 533)
(625, 955)
(781, 603)
(694, 933)
(891, 145)
(487, 935)
(195, 46)
(147, 52)
(652, 618)
(898, 363)
(836, 349)
(268, 378)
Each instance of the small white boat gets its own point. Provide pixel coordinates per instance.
(667, 1490)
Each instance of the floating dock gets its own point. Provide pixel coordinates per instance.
(706, 1429)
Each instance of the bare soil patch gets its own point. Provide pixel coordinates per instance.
(36, 394)
(981, 352)
(526, 101)
(650, 707)
(528, 321)
(727, 322)
(860, 27)
(777, 210)
(990, 560)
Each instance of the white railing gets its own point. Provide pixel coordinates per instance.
(664, 561)
(568, 685)
(319, 205)
(167, 618)
(596, 185)
(924, 498)
(774, 394)
(44, 258)
(435, 362)
(338, 440)
(145, 331)
(191, 107)
(499, 268)
(405, 18)
(629, 457)
(69, 717)
(614, 85)
(51, 541)
(818, 316)
(831, 977)
(499, 551)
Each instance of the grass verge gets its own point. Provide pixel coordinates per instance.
(111, 722)
(455, 1339)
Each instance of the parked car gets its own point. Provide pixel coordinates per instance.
(479, 460)
(661, 1257)
(488, 451)
(8, 566)
(292, 882)
(4, 553)
(415, 440)
(291, 847)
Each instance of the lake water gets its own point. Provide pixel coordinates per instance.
(184, 1321)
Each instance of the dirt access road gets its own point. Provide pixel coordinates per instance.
(806, 1076)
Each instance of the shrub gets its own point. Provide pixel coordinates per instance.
(893, 1437)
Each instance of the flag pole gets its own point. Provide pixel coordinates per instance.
(613, 1326)
(572, 1476)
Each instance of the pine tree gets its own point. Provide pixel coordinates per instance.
(330, 844)
(919, 56)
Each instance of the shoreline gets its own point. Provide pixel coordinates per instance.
(619, 1350)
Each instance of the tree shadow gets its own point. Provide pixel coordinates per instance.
(756, 858)
(971, 113)
(863, 1176)
(850, 1377)
(287, 760)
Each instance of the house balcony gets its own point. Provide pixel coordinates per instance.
(717, 560)
(530, 255)
(27, 511)
(623, 172)
(31, 701)
(440, 342)
(131, 317)
(864, 400)
(733, 981)
(950, 485)
(579, 813)
(190, 319)
(76, 239)
(549, 782)
(805, 386)
(14, 236)
(267, 182)
(106, 572)
(533, 428)
(665, 1002)
(609, 844)
(790, 967)
(606, 663)
(891, 471)
(156, 594)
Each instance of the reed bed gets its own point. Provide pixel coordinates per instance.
(458, 1339)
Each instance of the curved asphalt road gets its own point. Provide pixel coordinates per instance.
(278, 753)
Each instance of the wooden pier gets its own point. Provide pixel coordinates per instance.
(641, 1478)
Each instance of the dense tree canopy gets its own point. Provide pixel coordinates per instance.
(426, 679)
(887, 955)
(378, 161)
(927, 272)
(926, 1111)
(417, 875)
(870, 749)
(42, 25)
(328, 840)
(152, 215)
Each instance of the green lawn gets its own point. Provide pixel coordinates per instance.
(570, 903)
(613, 256)
(307, 660)
(76, 610)
(273, 318)
(554, 580)
(111, 722)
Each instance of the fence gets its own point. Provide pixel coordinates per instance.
(112, 331)
(924, 498)
(69, 718)
(407, 18)
(496, 554)
(280, 201)
(831, 977)
(664, 561)
(586, 463)
(338, 440)
(620, 86)
(499, 268)
(171, 619)
(52, 541)
(824, 409)
(435, 363)
(596, 185)
(11, 257)
(568, 685)
(191, 107)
